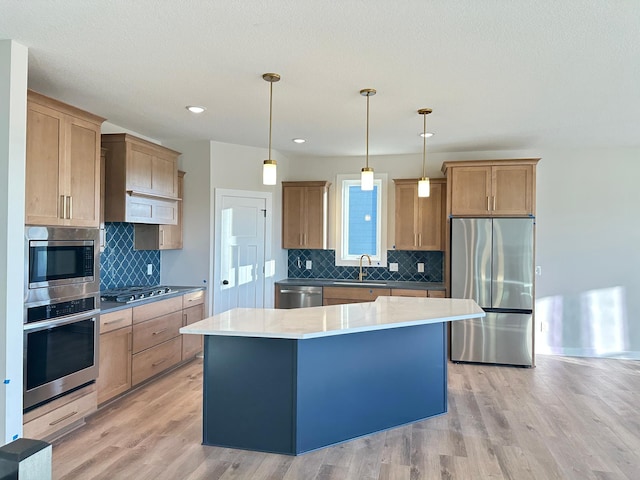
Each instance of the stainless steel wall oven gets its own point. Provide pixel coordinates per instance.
(61, 311)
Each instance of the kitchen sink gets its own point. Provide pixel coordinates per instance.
(362, 284)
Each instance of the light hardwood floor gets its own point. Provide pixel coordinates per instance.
(569, 418)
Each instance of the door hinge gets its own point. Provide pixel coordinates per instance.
(264, 212)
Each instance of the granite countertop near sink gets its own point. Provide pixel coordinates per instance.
(333, 282)
(106, 307)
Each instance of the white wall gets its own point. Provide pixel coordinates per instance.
(210, 165)
(587, 239)
(13, 114)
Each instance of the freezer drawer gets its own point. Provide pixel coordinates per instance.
(500, 338)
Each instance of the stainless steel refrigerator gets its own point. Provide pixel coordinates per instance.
(492, 262)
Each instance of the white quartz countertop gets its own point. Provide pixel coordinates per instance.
(303, 323)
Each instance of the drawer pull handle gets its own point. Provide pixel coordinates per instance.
(155, 364)
(55, 422)
(114, 321)
(159, 332)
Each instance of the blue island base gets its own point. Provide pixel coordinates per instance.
(293, 396)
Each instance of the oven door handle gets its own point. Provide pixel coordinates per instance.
(36, 326)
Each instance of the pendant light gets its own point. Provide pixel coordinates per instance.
(366, 177)
(269, 166)
(423, 183)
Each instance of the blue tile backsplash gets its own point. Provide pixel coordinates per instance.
(323, 266)
(121, 265)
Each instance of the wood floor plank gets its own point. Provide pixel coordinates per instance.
(568, 418)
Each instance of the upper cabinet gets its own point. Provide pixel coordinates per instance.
(161, 237)
(492, 188)
(419, 221)
(304, 214)
(141, 181)
(62, 164)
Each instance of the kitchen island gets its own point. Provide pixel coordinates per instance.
(292, 381)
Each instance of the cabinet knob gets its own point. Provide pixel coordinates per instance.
(225, 282)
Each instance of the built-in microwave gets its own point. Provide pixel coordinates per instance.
(60, 262)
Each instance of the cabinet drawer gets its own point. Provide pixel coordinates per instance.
(114, 320)
(156, 359)
(45, 426)
(155, 331)
(356, 294)
(437, 294)
(193, 298)
(406, 292)
(155, 309)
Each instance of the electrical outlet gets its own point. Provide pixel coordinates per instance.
(308, 264)
(393, 267)
(421, 268)
(149, 268)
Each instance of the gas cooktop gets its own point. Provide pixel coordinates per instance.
(133, 294)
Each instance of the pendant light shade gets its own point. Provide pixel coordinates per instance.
(366, 177)
(269, 166)
(423, 183)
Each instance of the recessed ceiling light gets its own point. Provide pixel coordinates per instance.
(298, 140)
(195, 109)
(427, 134)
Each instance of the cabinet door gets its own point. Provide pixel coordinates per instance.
(406, 216)
(292, 219)
(192, 344)
(83, 157)
(430, 219)
(44, 186)
(512, 187)
(471, 191)
(314, 217)
(171, 235)
(115, 364)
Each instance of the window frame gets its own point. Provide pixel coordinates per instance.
(379, 259)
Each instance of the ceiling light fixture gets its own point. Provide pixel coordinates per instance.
(426, 134)
(298, 140)
(366, 177)
(195, 108)
(423, 183)
(269, 166)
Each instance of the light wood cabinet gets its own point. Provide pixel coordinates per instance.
(161, 237)
(62, 164)
(115, 354)
(141, 181)
(193, 311)
(343, 295)
(406, 292)
(61, 415)
(419, 222)
(491, 188)
(304, 214)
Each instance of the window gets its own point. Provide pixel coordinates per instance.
(362, 221)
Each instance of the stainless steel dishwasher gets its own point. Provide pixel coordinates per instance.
(298, 296)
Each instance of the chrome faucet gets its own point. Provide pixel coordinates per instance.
(361, 275)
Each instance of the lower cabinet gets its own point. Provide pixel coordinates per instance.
(114, 376)
(140, 342)
(61, 415)
(406, 292)
(342, 295)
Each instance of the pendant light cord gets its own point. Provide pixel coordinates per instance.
(367, 150)
(270, 114)
(424, 145)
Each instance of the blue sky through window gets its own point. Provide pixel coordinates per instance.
(363, 218)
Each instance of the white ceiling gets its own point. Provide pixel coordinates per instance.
(499, 74)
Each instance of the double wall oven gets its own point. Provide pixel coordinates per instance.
(61, 311)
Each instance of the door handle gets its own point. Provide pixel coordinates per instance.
(225, 282)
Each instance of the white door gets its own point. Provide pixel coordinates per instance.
(240, 262)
